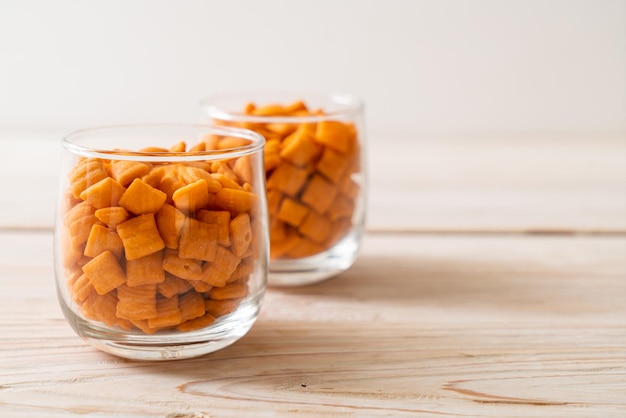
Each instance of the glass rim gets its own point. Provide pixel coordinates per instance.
(257, 143)
(351, 106)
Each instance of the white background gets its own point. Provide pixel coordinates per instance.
(437, 67)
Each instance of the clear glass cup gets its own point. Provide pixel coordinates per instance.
(161, 240)
(315, 177)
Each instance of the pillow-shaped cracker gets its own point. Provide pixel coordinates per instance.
(170, 221)
(219, 218)
(192, 197)
(112, 216)
(168, 313)
(101, 239)
(124, 172)
(145, 270)
(105, 193)
(219, 271)
(104, 272)
(198, 240)
(135, 303)
(142, 198)
(319, 194)
(140, 236)
(241, 234)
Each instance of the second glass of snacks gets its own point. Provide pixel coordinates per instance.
(161, 238)
(315, 172)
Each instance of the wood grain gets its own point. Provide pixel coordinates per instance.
(456, 326)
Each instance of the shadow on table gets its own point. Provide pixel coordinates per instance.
(396, 280)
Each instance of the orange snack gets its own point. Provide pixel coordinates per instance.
(243, 270)
(332, 165)
(219, 218)
(243, 169)
(287, 178)
(179, 147)
(192, 197)
(342, 207)
(316, 227)
(300, 148)
(241, 234)
(282, 247)
(197, 323)
(154, 176)
(226, 181)
(274, 198)
(140, 236)
(145, 270)
(112, 216)
(124, 172)
(101, 239)
(82, 288)
(135, 303)
(235, 201)
(232, 142)
(78, 221)
(85, 173)
(230, 291)
(182, 268)
(169, 221)
(142, 198)
(170, 183)
(168, 313)
(305, 248)
(271, 154)
(103, 194)
(335, 134)
(292, 212)
(101, 308)
(104, 272)
(173, 285)
(319, 194)
(190, 174)
(198, 240)
(220, 307)
(219, 271)
(191, 305)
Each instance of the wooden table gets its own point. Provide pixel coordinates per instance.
(492, 283)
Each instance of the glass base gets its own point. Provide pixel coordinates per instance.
(320, 267)
(170, 345)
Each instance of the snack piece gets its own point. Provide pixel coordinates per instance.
(112, 216)
(86, 173)
(145, 270)
(169, 222)
(221, 219)
(235, 201)
(140, 236)
(142, 198)
(105, 193)
(191, 197)
(124, 172)
(219, 271)
(168, 313)
(241, 234)
(136, 303)
(104, 272)
(292, 212)
(101, 239)
(319, 194)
